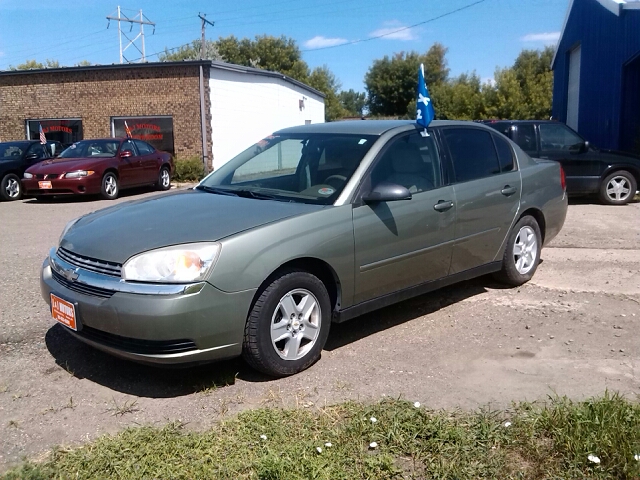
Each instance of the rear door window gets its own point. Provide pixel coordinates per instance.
(472, 152)
(525, 137)
(505, 154)
(143, 148)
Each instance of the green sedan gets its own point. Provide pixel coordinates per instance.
(312, 225)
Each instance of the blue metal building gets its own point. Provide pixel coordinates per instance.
(596, 70)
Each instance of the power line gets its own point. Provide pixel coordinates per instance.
(398, 30)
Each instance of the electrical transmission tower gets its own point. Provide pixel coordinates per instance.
(140, 19)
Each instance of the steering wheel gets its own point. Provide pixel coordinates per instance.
(338, 181)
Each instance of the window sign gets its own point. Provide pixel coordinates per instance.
(65, 131)
(157, 131)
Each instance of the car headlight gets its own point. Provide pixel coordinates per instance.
(79, 173)
(27, 175)
(67, 227)
(178, 264)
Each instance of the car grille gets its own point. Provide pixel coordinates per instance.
(134, 345)
(81, 287)
(98, 266)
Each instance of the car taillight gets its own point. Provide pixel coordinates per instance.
(563, 180)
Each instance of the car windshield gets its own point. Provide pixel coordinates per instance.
(12, 150)
(311, 168)
(92, 148)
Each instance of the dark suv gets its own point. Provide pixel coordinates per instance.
(16, 157)
(612, 175)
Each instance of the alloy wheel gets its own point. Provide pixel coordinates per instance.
(165, 178)
(618, 189)
(13, 188)
(295, 324)
(111, 186)
(525, 250)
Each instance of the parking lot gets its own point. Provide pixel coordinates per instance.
(571, 331)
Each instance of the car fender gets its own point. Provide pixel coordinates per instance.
(247, 259)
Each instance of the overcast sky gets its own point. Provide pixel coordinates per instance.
(480, 34)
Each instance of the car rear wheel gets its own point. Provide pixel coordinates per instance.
(110, 187)
(164, 179)
(522, 255)
(288, 325)
(10, 187)
(618, 188)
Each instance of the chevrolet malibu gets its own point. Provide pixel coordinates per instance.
(311, 226)
(100, 166)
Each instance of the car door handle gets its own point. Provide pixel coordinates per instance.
(443, 205)
(508, 190)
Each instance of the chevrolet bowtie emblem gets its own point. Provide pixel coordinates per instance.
(70, 274)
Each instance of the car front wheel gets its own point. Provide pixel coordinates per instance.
(618, 188)
(288, 325)
(522, 255)
(10, 187)
(110, 186)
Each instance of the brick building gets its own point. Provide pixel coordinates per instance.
(172, 105)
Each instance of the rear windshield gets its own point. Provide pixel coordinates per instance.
(92, 148)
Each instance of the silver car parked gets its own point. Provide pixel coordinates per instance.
(313, 225)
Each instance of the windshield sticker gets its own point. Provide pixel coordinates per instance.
(73, 146)
(326, 191)
(362, 141)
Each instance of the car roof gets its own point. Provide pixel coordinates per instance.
(23, 142)
(488, 122)
(365, 127)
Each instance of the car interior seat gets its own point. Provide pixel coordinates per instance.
(408, 168)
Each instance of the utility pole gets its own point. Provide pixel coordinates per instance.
(202, 17)
(140, 19)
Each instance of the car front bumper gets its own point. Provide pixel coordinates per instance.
(63, 186)
(157, 324)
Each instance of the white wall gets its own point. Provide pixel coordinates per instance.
(245, 108)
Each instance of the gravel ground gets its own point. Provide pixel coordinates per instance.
(568, 332)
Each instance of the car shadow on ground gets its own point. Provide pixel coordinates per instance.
(85, 362)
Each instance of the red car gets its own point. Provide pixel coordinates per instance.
(101, 166)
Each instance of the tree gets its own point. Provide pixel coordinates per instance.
(33, 64)
(323, 79)
(277, 54)
(391, 81)
(353, 102)
(83, 63)
(191, 52)
(525, 90)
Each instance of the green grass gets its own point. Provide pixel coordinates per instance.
(551, 440)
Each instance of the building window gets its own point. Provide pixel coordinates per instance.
(63, 130)
(157, 131)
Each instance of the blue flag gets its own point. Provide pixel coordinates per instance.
(425, 112)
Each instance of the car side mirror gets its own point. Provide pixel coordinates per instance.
(387, 192)
(126, 154)
(580, 147)
(31, 157)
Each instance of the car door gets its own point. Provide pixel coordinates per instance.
(403, 243)
(150, 159)
(581, 166)
(130, 168)
(487, 188)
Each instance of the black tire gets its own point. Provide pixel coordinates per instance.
(164, 179)
(626, 180)
(110, 186)
(11, 187)
(259, 351)
(511, 274)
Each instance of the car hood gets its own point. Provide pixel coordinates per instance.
(117, 233)
(59, 165)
